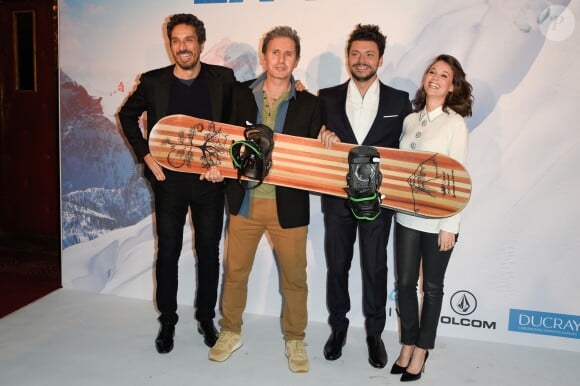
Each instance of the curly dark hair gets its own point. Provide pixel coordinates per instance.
(460, 99)
(368, 32)
(189, 19)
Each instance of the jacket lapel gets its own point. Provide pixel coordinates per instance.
(215, 86)
(162, 90)
(379, 117)
(348, 131)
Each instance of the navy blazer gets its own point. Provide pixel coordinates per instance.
(152, 96)
(302, 120)
(394, 106)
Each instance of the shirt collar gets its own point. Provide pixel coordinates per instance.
(372, 92)
(258, 85)
(432, 115)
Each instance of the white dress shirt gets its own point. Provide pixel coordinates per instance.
(362, 110)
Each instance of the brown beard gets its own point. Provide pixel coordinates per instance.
(186, 67)
(363, 78)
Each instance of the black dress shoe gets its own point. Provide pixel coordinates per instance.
(334, 344)
(396, 369)
(164, 340)
(209, 332)
(407, 376)
(377, 352)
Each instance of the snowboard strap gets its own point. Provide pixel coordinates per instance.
(363, 180)
(255, 161)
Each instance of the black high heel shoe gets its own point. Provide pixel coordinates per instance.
(396, 369)
(407, 376)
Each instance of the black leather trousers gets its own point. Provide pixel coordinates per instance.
(417, 252)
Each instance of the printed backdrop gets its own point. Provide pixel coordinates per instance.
(512, 277)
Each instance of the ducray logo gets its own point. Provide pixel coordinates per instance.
(545, 323)
(465, 303)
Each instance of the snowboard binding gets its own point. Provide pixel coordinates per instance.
(255, 161)
(363, 181)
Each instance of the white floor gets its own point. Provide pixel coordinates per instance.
(78, 338)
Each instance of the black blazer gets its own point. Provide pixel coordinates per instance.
(394, 106)
(302, 120)
(152, 96)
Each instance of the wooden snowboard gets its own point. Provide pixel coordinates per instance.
(420, 183)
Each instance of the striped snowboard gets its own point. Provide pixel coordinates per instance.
(421, 183)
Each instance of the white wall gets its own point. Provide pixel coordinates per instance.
(519, 239)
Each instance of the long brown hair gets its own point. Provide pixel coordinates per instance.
(460, 99)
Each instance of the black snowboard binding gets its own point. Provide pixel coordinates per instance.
(255, 161)
(363, 180)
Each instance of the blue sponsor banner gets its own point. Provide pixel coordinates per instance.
(544, 323)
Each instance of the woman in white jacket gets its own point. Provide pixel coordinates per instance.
(436, 125)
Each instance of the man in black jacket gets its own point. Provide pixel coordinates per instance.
(363, 111)
(202, 90)
(283, 213)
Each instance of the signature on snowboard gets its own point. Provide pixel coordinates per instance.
(183, 152)
(421, 182)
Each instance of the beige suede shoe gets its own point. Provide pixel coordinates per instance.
(227, 343)
(297, 357)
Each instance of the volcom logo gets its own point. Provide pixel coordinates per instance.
(463, 302)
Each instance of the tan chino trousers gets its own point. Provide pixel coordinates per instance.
(289, 246)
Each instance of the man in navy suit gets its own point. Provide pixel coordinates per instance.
(362, 111)
(202, 90)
